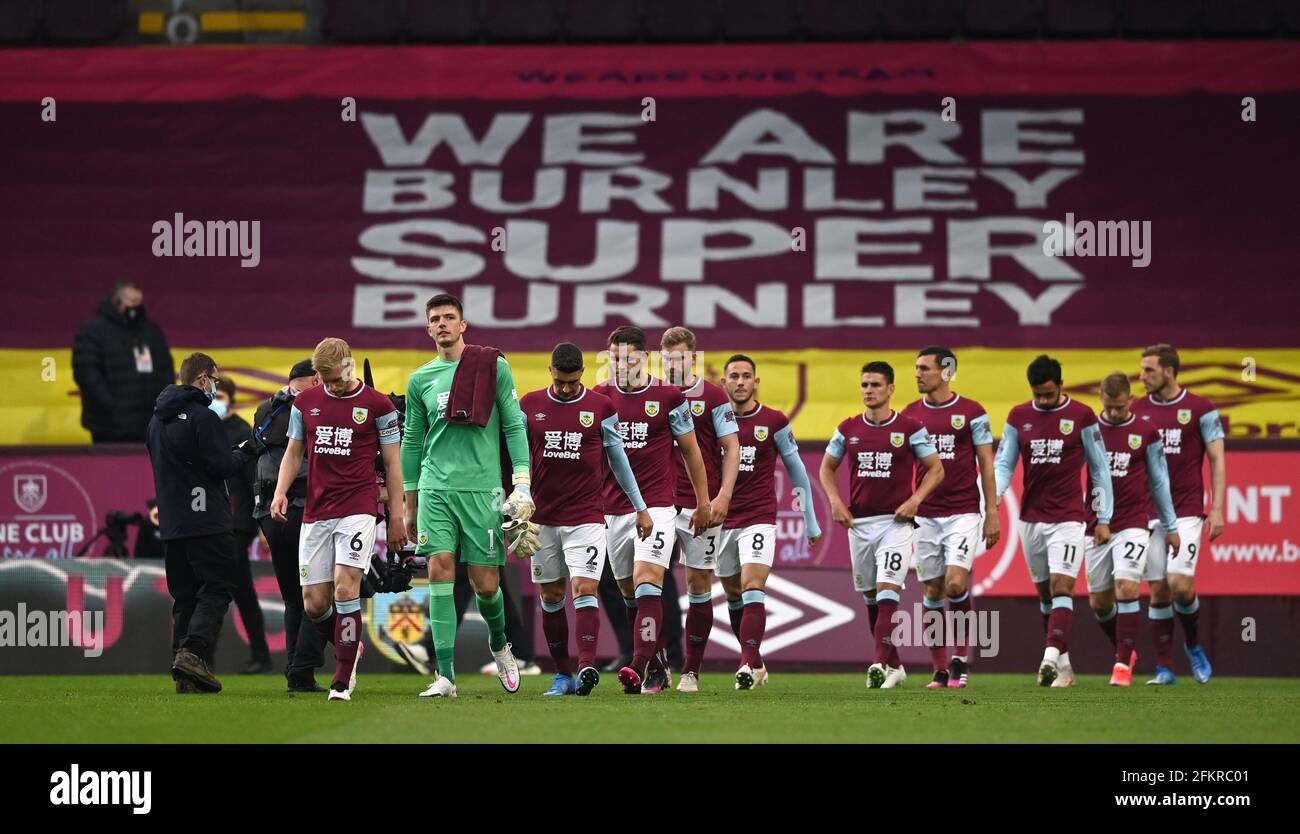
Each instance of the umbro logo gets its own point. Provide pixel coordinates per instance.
(805, 612)
(539, 416)
(315, 412)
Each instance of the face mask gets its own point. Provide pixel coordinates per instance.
(211, 392)
(221, 407)
(131, 313)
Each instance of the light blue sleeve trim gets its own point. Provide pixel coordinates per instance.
(609, 433)
(981, 431)
(1099, 471)
(1211, 426)
(724, 420)
(835, 448)
(680, 420)
(619, 464)
(1158, 479)
(785, 443)
(390, 430)
(295, 424)
(1004, 465)
(789, 451)
(921, 444)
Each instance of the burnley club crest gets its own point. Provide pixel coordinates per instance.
(30, 492)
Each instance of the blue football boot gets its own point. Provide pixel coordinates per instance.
(1164, 677)
(562, 685)
(1200, 664)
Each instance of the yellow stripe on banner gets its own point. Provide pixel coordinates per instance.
(1257, 391)
(150, 23)
(252, 21)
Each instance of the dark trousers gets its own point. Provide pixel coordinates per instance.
(519, 629)
(245, 594)
(200, 573)
(672, 641)
(304, 647)
(611, 599)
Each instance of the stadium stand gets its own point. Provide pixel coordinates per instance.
(839, 20)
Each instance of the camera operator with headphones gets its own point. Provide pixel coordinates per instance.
(191, 461)
(305, 647)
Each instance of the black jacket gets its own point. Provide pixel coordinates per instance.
(189, 451)
(241, 486)
(115, 397)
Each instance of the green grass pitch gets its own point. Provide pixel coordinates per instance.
(793, 708)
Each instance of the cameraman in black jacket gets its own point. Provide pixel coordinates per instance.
(191, 462)
(305, 647)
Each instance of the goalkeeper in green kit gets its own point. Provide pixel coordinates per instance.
(457, 408)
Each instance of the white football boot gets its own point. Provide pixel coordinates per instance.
(507, 669)
(440, 688)
(894, 676)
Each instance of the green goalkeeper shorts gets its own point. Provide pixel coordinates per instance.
(468, 522)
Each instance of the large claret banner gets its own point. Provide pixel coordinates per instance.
(811, 202)
(881, 195)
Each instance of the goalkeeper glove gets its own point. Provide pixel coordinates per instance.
(523, 538)
(519, 506)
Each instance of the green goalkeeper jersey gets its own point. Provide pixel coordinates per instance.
(441, 455)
